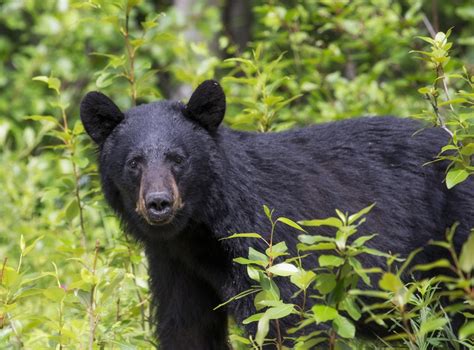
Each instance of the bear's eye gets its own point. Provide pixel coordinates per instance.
(133, 164)
(176, 159)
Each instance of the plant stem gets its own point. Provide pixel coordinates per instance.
(406, 325)
(439, 74)
(131, 59)
(92, 316)
(332, 340)
(78, 199)
(17, 336)
(117, 314)
(71, 147)
(279, 341)
(137, 288)
(3, 269)
(303, 306)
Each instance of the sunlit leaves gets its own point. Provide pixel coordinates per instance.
(466, 259)
(456, 176)
(283, 269)
(52, 82)
(447, 107)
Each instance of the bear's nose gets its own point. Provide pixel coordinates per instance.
(158, 205)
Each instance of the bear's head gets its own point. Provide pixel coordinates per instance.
(155, 159)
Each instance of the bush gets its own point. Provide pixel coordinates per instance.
(70, 278)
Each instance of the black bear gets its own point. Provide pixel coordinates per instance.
(180, 182)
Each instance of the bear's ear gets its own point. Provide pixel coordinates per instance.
(207, 105)
(100, 115)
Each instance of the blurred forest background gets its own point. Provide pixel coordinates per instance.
(69, 276)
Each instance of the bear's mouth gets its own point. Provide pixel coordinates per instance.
(158, 215)
(158, 206)
(159, 218)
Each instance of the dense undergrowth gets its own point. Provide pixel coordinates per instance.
(70, 278)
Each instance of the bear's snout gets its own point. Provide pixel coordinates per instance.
(159, 207)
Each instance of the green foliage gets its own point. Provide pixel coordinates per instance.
(411, 313)
(456, 113)
(69, 278)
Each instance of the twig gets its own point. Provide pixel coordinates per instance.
(131, 58)
(15, 331)
(137, 288)
(70, 145)
(78, 199)
(92, 317)
(3, 269)
(279, 342)
(406, 325)
(428, 25)
(439, 74)
(117, 315)
(439, 117)
(332, 340)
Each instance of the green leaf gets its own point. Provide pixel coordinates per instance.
(357, 266)
(54, 293)
(330, 260)
(323, 313)
(452, 102)
(132, 3)
(355, 217)
(9, 277)
(362, 239)
(431, 325)
(351, 307)
(253, 318)
(105, 79)
(325, 283)
(31, 246)
(332, 222)
(252, 272)
(466, 259)
(239, 339)
(283, 269)
(307, 239)
(53, 83)
(433, 265)
(261, 299)
(274, 254)
(425, 90)
(243, 261)
(302, 279)
(262, 330)
(279, 311)
(46, 118)
(468, 150)
(390, 282)
(291, 223)
(467, 330)
(22, 243)
(279, 248)
(344, 327)
(72, 210)
(243, 235)
(318, 246)
(269, 285)
(456, 176)
(268, 213)
(257, 256)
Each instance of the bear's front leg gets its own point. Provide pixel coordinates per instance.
(184, 308)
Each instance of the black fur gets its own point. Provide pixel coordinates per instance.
(207, 105)
(228, 175)
(99, 115)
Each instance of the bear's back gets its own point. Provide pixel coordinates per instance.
(309, 172)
